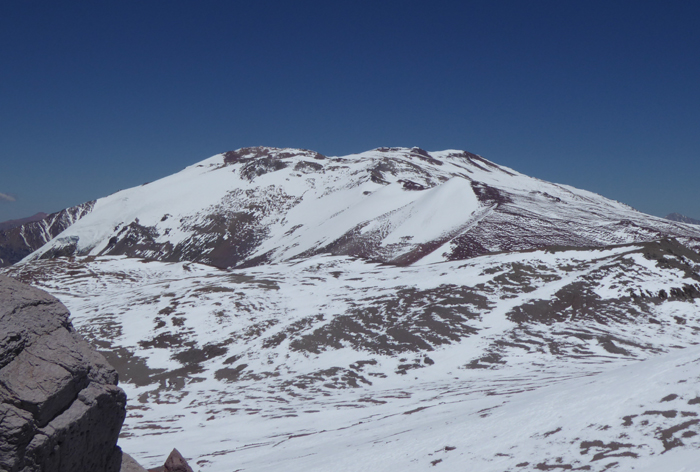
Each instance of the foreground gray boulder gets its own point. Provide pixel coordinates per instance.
(60, 407)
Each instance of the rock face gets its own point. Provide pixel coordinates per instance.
(60, 407)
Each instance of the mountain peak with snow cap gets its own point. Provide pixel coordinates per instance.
(396, 205)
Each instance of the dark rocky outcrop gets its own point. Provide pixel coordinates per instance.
(174, 463)
(60, 407)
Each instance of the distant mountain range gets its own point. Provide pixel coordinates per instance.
(5, 225)
(19, 238)
(682, 219)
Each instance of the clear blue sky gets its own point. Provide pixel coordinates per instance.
(99, 96)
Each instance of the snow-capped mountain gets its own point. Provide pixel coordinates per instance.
(396, 205)
(276, 309)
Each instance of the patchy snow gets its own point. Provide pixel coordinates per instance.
(518, 361)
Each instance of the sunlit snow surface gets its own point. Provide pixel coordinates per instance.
(507, 362)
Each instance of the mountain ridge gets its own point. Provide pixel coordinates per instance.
(20, 240)
(9, 224)
(682, 218)
(395, 205)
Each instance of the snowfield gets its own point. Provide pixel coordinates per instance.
(577, 359)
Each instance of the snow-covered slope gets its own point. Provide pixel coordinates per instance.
(390, 310)
(505, 362)
(398, 205)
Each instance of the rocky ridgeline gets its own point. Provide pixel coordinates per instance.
(20, 240)
(60, 407)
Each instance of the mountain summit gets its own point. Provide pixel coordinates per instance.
(395, 205)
